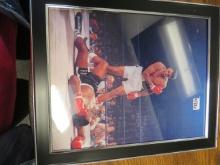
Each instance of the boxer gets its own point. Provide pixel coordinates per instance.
(155, 76)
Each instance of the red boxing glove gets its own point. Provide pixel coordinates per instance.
(77, 142)
(156, 89)
(81, 109)
(132, 96)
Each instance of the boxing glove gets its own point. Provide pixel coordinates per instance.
(77, 142)
(156, 89)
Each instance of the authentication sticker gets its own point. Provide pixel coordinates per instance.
(196, 103)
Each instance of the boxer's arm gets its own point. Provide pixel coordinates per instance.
(146, 75)
(154, 88)
(79, 103)
(81, 132)
(144, 93)
(135, 95)
(79, 140)
(156, 70)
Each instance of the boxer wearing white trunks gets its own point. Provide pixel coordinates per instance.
(133, 74)
(155, 77)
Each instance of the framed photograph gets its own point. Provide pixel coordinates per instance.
(121, 79)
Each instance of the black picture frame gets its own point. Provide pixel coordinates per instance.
(40, 83)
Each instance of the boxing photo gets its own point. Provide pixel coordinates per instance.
(120, 78)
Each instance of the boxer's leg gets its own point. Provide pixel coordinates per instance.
(100, 66)
(78, 22)
(82, 56)
(119, 91)
(116, 70)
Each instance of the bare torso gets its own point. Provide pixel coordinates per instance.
(154, 75)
